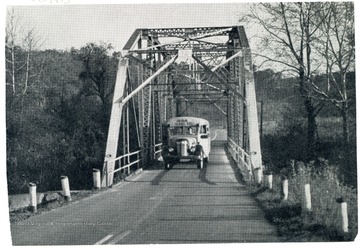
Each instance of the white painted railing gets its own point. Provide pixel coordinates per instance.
(242, 159)
(124, 161)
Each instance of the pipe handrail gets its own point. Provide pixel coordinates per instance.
(240, 153)
(135, 152)
(131, 154)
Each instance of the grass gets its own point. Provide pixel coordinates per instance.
(321, 224)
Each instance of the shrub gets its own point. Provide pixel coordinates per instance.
(326, 189)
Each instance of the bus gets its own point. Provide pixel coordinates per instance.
(186, 138)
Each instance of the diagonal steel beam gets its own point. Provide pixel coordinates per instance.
(191, 103)
(238, 54)
(224, 82)
(217, 106)
(123, 100)
(209, 71)
(134, 38)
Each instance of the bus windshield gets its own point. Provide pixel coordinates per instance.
(186, 130)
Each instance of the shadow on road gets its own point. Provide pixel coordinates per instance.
(202, 176)
(158, 177)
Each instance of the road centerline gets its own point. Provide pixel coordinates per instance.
(119, 237)
(100, 242)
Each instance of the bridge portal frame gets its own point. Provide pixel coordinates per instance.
(153, 78)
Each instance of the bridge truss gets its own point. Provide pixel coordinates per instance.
(161, 73)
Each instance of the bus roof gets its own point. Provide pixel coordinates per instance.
(186, 121)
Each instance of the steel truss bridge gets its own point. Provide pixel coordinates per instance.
(163, 71)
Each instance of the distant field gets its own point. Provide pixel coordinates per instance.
(328, 127)
(277, 118)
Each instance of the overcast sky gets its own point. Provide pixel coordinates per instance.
(66, 26)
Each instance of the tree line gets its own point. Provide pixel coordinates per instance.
(57, 111)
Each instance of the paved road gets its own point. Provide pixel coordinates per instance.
(182, 205)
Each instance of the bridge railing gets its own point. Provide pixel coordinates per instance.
(125, 161)
(242, 159)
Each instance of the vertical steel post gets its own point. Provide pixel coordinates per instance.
(153, 134)
(122, 162)
(261, 117)
(141, 126)
(106, 175)
(128, 135)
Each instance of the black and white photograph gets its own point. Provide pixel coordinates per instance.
(179, 123)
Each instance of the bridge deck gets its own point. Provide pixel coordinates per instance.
(182, 205)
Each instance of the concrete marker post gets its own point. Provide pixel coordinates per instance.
(306, 198)
(285, 189)
(97, 178)
(269, 181)
(343, 213)
(258, 176)
(33, 198)
(344, 217)
(65, 187)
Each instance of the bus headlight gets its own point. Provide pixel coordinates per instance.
(192, 149)
(171, 149)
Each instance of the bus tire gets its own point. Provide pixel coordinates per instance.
(167, 165)
(206, 160)
(200, 164)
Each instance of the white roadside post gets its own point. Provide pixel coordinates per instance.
(343, 213)
(97, 178)
(33, 198)
(269, 181)
(258, 176)
(65, 187)
(284, 189)
(306, 198)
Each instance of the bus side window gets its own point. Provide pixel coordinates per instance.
(203, 129)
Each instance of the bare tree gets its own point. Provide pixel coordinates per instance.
(22, 69)
(290, 30)
(336, 43)
(19, 46)
(10, 46)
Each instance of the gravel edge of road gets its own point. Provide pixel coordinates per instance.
(76, 196)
